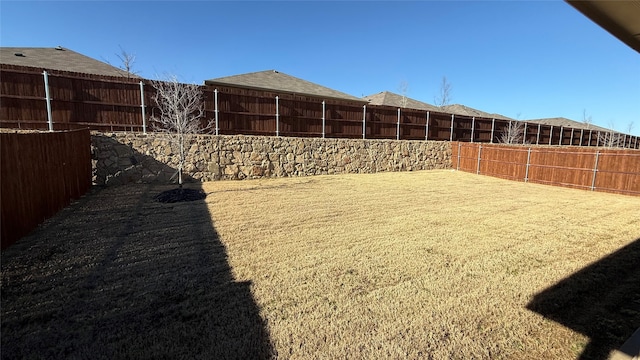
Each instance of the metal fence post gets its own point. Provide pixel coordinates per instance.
(451, 134)
(426, 128)
(526, 173)
(323, 118)
(364, 121)
(277, 117)
(215, 110)
(473, 126)
(550, 134)
(571, 141)
(598, 139)
(589, 142)
(48, 99)
(493, 127)
(581, 136)
(479, 157)
(524, 134)
(144, 118)
(561, 133)
(538, 135)
(595, 170)
(398, 126)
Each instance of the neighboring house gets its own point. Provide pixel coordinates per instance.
(275, 81)
(564, 122)
(388, 98)
(57, 58)
(459, 109)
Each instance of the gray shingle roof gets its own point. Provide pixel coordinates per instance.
(560, 121)
(459, 109)
(57, 58)
(277, 81)
(391, 99)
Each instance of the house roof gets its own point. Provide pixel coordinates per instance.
(620, 18)
(391, 99)
(560, 121)
(277, 81)
(459, 109)
(57, 58)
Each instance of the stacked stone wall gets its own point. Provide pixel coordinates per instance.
(120, 158)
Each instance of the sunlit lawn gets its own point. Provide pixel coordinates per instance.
(432, 264)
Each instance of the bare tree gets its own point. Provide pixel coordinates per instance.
(403, 88)
(181, 110)
(127, 60)
(444, 95)
(512, 133)
(586, 119)
(610, 138)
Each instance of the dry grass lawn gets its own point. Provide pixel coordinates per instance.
(435, 264)
(414, 265)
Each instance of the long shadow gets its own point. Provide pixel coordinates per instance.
(120, 276)
(601, 301)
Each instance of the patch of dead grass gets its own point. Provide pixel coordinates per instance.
(433, 264)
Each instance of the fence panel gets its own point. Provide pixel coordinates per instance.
(41, 174)
(107, 103)
(610, 170)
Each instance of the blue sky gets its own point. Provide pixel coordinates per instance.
(522, 59)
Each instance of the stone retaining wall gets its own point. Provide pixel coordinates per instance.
(120, 158)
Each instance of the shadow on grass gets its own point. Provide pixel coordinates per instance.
(601, 301)
(119, 275)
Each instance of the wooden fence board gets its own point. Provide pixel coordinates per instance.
(41, 173)
(610, 170)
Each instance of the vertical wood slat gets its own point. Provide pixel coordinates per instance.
(41, 174)
(618, 170)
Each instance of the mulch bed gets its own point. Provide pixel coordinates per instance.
(180, 195)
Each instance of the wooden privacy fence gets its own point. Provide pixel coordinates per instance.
(41, 174)
(610, 170)
(33, 98)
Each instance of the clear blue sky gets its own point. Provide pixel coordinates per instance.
(526, 59)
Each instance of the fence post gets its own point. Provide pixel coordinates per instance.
(581, 135)
(323, 117)
(479, 157)
(426, 128)
(561, 133)
(215, 110)
(538, 135)
(598, 139)
(459, 148)
(398, 126)
(364, 121)
(451, 134)
(571, 141)
(48, 99)
(493, 127)
(144, 118)
(277, 117)
(550, 134)
(526, 173)
(595, 170)
(473, 126)
(589, 142)
(524, 134)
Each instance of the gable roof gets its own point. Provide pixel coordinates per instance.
(560, 121)
(392, 99)
(459, 109)
(57, 58)
(274, 80)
